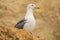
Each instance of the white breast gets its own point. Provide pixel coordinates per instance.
(30, 25)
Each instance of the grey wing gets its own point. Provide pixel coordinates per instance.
(20, 24)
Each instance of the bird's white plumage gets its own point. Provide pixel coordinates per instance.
(28, 23)
(30, 20)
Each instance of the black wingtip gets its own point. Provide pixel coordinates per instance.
(20, 24)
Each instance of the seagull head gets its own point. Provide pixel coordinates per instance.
(31, 6)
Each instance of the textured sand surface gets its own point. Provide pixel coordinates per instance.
(10, 33)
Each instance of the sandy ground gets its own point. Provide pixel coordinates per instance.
(11, 33)
(47, 16)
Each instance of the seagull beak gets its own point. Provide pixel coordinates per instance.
(37, 8)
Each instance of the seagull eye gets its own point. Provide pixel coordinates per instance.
(32, 5)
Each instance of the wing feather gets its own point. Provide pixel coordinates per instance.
(20, 24)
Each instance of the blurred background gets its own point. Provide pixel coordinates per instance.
(47, 16)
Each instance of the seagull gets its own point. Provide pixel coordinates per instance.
(28, 22)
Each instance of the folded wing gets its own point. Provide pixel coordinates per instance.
(20, 24)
